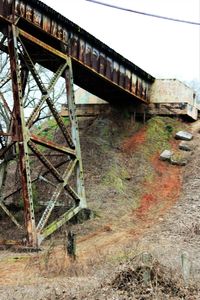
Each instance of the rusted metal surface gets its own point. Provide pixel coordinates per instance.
(3, 206)
(75, 136)
(54, 197)
(34, 180)
(58, 223)
(21, 137)
(4, 133)
(52, 145)
(33, 33)
(67, 181)
(45, 161)
(86, 51)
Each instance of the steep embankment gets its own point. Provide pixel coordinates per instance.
(129, 188)
(130, 192)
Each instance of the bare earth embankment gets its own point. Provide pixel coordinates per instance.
(141, 204)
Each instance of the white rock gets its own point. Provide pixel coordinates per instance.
(185, 146)
(166, 155)
(184, 135)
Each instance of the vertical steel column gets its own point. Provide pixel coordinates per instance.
(20, 133)
(75, 132)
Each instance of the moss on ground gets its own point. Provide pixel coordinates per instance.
(114, 178)
(160, 131)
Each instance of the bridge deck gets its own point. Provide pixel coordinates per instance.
(97, 68)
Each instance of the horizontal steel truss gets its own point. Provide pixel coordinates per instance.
(22, 138)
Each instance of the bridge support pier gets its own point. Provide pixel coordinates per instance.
(64, 178)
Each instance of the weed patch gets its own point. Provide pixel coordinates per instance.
(159, 133)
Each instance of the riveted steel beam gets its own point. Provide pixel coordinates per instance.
(45, 161)
(31, 66)
(37, 108)
(52, 145)
(35, 179)
(28, 143)
(58, 223)
(55, 195)
(75, 132)
(20, 129)
(10, 215)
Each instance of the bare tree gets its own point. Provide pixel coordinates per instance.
(31, 95)
(5, 91)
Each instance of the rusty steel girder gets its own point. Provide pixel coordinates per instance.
(24, 143)
(34, 34)
(97, 68)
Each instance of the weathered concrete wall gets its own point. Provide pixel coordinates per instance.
(192, 111)
(87, 110)
(84, 97)
(171, 91)
(179, 109)
(168, 97)
(87, 105)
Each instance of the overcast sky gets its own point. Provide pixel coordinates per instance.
(163, 48)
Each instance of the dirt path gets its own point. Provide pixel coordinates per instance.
(179, 231)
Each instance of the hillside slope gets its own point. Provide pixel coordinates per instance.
(139, 204)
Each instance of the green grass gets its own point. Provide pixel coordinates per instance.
(160, 131)
(48, 128)
(113, 179)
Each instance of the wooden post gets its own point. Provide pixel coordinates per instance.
(186, 266)
(147, 262)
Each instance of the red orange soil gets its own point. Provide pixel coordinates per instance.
(163, 191)
(132, 143)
